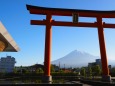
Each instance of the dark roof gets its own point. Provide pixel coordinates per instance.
(37, 65)
(65, 9)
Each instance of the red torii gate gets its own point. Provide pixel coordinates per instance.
(69, 12)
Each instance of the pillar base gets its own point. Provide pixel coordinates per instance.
(47, 79)
(106, 78)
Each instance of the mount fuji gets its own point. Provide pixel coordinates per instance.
(75, 59)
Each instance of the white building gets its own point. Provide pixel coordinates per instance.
(7, 64)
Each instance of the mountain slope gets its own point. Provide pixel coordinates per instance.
(75, 59)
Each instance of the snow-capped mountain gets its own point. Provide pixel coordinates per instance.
(75, 59)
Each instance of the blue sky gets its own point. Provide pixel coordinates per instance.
(31, 38)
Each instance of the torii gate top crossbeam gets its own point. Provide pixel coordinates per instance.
(69, 12)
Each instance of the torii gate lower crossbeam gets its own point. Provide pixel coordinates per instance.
(69, 12)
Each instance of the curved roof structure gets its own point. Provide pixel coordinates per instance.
(63, 9)
(4, 35)
(68, 12)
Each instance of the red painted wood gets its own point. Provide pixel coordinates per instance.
(104, 62)
(47, 56)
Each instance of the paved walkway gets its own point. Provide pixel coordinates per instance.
(74, 82)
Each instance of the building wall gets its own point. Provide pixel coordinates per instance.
(97, 62)
(7, 64)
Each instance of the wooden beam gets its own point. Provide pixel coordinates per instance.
(106, 25)
(69, 12)
(38, 22)
(79, 24)
(60, 23)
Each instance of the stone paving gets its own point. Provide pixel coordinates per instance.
(74, 82)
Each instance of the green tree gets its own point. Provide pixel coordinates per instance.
(76, 69)
(112, 71)
(15, 70)
(52, 68)
(83, 72)
(96, 70)
(61, 71)
(89, 72)
(27, 71)
(37, 70)
(41, 70)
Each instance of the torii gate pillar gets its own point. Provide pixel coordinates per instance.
(105, 76)
(47, 57)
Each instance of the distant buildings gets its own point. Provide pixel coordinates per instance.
(97, 62)
(7, 64)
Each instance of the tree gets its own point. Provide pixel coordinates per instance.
(52, 68)
(40, 70)
(89, 72)
(83, 72)
(76, 69)
(15, 70)
(61, 71)
(96, 70)
(112, 71)
(27, 71)
(37, 70)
